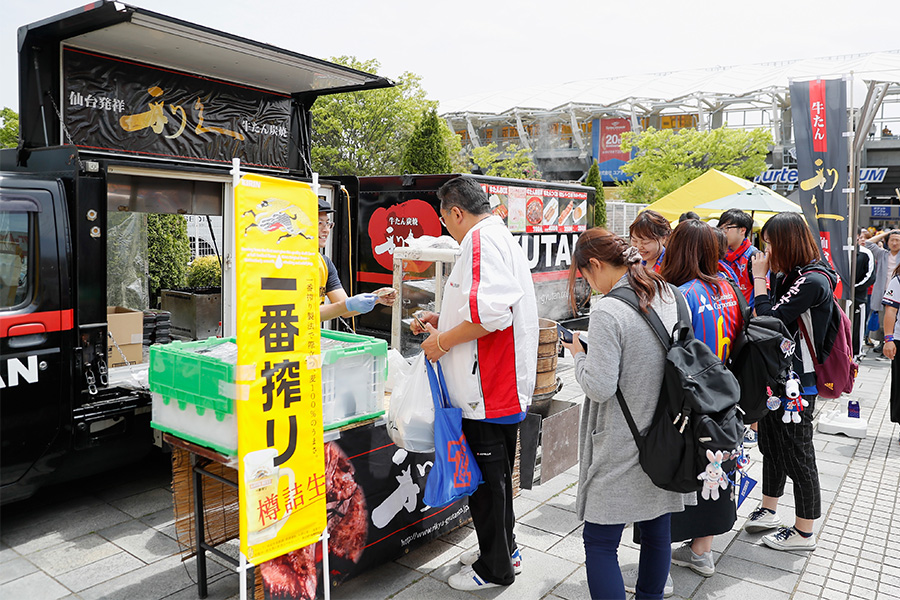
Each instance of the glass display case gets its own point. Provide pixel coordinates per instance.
(419, 278)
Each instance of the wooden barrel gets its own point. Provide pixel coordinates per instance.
(548, 340)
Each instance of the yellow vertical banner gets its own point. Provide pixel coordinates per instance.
(279, 408)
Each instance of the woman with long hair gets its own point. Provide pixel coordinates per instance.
(649, 233)
(691, 264)
(891, 302)
(613, 489)
(802, 288)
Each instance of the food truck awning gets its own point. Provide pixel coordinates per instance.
(134, 33)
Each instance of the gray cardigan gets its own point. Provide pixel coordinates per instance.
(881, 276)
(612, 486)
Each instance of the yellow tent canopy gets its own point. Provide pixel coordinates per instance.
(710, 186)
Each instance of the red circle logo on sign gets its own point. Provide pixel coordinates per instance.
(394, 226)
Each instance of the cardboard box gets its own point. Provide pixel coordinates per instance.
(127, 328)
(133, 352)
(125, 325)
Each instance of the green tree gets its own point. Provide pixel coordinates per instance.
(593, 180)
(512, 161)
(667, 159)
(204, 272)
(364, 133)
(459, 160)
(169, 250)
(9, 128)
(426, 151)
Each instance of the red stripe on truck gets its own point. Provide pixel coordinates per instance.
(51, 320)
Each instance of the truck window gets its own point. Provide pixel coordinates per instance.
(15, 236)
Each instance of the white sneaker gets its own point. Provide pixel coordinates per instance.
(750, 438)
(630, 579)
(788, 538)
(470, 557)
(762, 519)
(468, 580)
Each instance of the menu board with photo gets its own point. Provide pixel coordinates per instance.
(516, 220)
(573, 211)
(498, 197)
(538, 210)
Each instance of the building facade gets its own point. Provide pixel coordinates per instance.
(566, 138)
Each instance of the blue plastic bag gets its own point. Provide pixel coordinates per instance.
(455, 473)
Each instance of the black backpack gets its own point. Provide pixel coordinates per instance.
(697, 406)
(760, 358)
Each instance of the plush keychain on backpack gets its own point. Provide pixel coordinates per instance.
(793, 401)
(714, 476)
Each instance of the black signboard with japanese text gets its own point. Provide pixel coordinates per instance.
(119, 106)
(820, 119)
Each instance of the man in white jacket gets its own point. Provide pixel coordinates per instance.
(486, 338)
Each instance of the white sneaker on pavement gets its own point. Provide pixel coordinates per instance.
(788, 538)
(630, 579)
(762, 519)
(472, 556)
(750, 438)
(702, 564)
(468, 580)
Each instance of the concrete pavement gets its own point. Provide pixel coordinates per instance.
(112, 536)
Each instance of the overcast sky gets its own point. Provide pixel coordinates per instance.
(468, 46)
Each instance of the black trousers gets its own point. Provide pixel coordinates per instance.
(895, 390)
(860, 321)
(494, 447)
(788, 451)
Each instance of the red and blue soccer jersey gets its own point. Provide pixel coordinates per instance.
(715, 314)
(658, 264)
(739, 261)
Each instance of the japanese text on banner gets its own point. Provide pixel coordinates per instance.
(282, 468)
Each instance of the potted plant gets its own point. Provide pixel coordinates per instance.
(196, 309)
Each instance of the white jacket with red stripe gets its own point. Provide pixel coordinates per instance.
(491, 285)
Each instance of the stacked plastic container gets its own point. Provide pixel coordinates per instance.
(193, 386)
(354, 369)
(193, 392)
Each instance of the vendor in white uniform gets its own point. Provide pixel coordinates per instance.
(486, 338)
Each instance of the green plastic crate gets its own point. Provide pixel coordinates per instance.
(188, 399)
(352, 379)
(177, 373)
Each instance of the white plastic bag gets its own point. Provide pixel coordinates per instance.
(398, 369)
(410, 419)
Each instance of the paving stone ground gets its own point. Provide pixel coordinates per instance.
(113, 536)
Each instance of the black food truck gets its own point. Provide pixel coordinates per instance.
(124, 113)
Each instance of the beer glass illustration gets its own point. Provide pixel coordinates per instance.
(264, 502)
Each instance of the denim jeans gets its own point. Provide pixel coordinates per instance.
(601, 543)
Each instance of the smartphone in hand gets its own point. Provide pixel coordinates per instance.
(566, 336)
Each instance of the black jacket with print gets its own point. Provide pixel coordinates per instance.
(790, 295)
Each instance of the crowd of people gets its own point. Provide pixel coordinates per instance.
(485, 338)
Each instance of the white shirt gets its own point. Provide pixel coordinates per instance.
(892, 298)
(491, 285)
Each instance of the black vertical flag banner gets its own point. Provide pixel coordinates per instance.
(819, 112)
